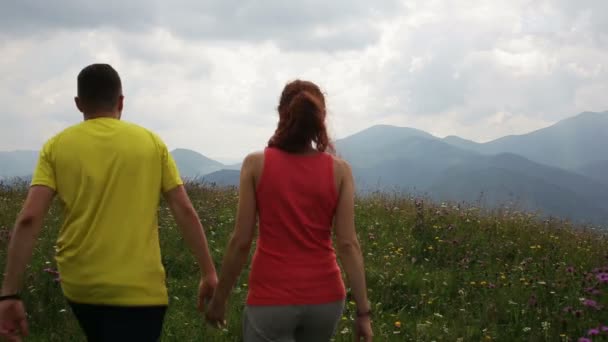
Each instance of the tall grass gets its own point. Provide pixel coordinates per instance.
(436, 272)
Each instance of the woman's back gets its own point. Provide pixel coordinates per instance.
(295, 262)
(296, 192)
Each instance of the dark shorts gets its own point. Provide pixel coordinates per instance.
(102, 323)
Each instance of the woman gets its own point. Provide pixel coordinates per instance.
(298, 191)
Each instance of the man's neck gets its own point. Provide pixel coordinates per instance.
(109, 115)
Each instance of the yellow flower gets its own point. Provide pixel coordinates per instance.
(398, 325)
(473, 283)
(483, 283)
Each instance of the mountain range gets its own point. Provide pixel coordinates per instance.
(561, 170)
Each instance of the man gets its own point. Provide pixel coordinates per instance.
(109, 174)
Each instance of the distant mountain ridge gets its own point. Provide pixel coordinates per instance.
(560, 170)
(569, 144)
(191, 164)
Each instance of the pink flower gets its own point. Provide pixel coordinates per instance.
(591, 304)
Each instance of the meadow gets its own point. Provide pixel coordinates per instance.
(436, 272)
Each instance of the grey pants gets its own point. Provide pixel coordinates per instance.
(291, 323)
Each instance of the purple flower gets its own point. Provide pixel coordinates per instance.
(593, 332)
(593, 291)
(602, 278)
(584, 339)
(51, 271)
(604, 328)
(591, 303)
(570, 269)
(568, 309)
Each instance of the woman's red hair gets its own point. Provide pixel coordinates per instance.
(301, 119)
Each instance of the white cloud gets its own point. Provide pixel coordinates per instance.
(207, 76)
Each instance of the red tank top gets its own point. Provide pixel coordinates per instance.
(295, 262)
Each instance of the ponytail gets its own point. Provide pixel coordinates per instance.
(301, 119)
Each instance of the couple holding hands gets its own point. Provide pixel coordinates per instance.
(109, 176)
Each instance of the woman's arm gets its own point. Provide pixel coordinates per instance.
(239, 245)
(347, 242)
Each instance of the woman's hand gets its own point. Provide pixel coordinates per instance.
(216, 313)
(363, 329)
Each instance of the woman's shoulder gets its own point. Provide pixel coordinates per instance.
(253, 159)
(341, 166)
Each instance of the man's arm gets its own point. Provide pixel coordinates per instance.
(191, 229)
(24, 237)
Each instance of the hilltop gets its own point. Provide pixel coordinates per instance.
(442, 272)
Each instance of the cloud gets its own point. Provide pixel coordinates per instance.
(312, 24)
(207, 75)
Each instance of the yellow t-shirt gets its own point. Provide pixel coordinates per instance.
(109, 174)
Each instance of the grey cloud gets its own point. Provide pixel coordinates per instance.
(451, 65)
(292, 25)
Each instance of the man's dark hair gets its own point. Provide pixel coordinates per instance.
(99, 87)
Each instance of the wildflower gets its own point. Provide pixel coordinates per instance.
(570, 269)
(584, 339)
(604, 328)
(593, 332)
(593, 291)
(546, 325)
(602, 278)
(526, 329)
(398, 325)
(591, 304)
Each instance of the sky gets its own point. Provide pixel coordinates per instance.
(207, 74)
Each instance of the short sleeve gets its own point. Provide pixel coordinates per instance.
(170, 173)
(44, 173)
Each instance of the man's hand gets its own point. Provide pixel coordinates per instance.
(206, 288)
(13, 321)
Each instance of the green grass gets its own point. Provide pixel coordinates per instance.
(444, 272)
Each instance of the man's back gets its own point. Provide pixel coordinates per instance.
(109, 175)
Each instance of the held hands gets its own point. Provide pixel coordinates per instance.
(206, 289)
(216, 313)
(13, 321)
(209, 304)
